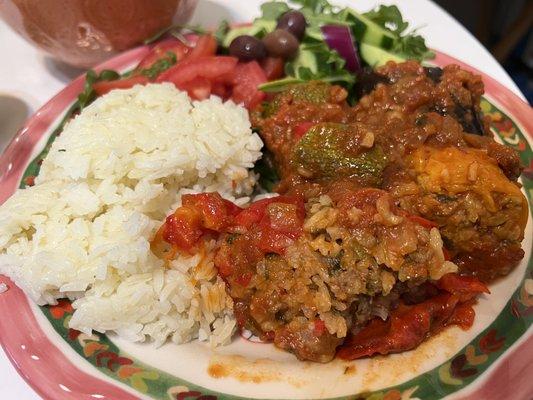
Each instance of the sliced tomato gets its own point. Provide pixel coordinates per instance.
(247, 78)
(252, 215)
(199, 214)
(405, 329)
(301, 129)
(206, 67)
(197, 89)
(274, 67)
(275, 227)
(160, 50)
(205, 46)
(409, 325)
(221, 90)
(183, 229)
(464, 286)
(223, 262)
(216, 212)
(104, 87)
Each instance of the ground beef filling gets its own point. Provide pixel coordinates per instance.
(421, 137)
(355, 257)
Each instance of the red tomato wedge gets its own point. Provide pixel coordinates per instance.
(220, 89)
(216, 211)
(205, 67)
(253, 214)
(197, 89)
(200, 72)
(205, 46)
(248, 76)
(274, 68)
(183, 229)
(199, 214)
(160, 50)
(104, 87)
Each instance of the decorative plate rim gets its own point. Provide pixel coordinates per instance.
(53, 375)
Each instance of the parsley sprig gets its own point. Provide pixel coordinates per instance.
(408, 44)
(91, 77)
(160, 65)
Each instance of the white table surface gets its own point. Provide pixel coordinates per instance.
(33, 78)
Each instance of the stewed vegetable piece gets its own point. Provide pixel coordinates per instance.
(334, 150)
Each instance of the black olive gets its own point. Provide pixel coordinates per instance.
(294, 22)
(281, 43)
(247, 48)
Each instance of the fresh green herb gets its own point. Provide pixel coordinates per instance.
(409, 45)
(160, 65)
(388, 17)
(316, 61)
(274, 9)
(173, 29)
(414, 46)
(222, 30)
(315, 6)
(87, 96)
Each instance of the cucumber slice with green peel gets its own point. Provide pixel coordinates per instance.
(375, 56)
(367, 31)
(259, 28)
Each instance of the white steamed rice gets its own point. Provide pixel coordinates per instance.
(108, 182)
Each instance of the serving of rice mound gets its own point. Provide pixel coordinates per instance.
(116, 171)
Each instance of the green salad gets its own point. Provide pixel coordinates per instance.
(336, 43)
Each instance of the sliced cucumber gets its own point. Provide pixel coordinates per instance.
(306, 59)
(315, 33)
(367, 31)
(259, 28)
(303, 65)
(375, 56)
(279, 85)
